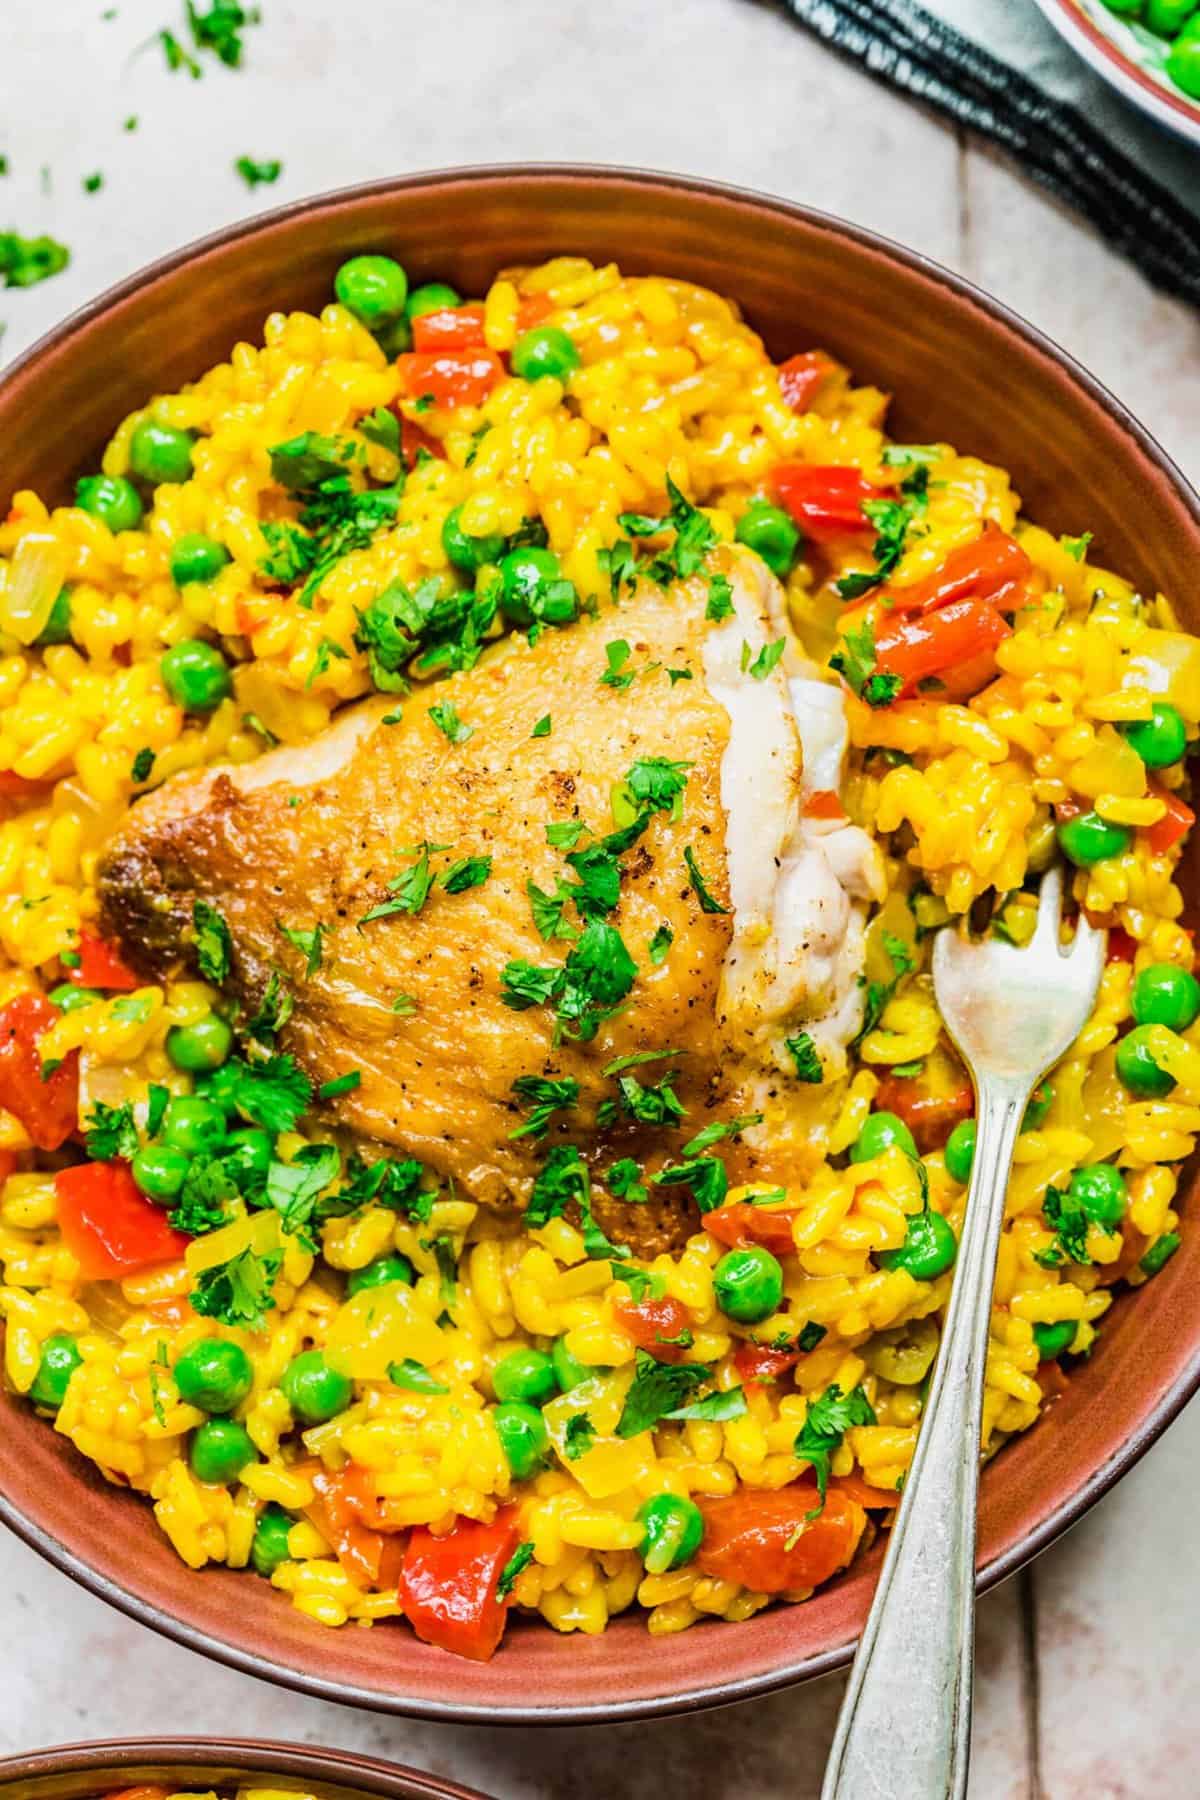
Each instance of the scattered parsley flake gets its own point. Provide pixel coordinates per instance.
(308, 942)
(111, 1132)
(26, 261)
(546, 1096)
(718, 1131)
(1077, 547)
(542, 728)
(765, 661)
(467, 872)
(806, 1056)
(445, 716)
(578, 1436)
(408, 1373)
(659, 946)
(707, 902)
(706, 1176)
(142, 766)
(409, 889)
(238, 1292)
(213, 943)
(829, 1417)
(520, 1559)
(855, 662)
(617, 654)
(658, 1389)
(341, 1084)
(93, 183)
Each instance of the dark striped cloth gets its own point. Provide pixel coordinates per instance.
(997, 68)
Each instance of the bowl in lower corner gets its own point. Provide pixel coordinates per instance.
(91, 1771)
(962, 369)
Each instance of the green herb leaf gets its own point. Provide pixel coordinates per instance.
(214, 945)
(717, 1407)
(546, 1097)
(708, 903)
(767, 659)
(203, 1202)
(111, 1132)
(293, 1188)
(624, 1181)
(855, 662)
(578, 1436)
(718, 1131)
(274, 1094)
(705, 1175)
(542, 728)
(658, 1389)
(258, 174)
(383, 428)
(830, 1416)
(445, 716)
(309, 943)
(806, 1056)
(659, 946)
(411, 1374)
(142, 766)
(238, 1292)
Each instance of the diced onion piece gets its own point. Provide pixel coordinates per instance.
(1167, 665)
(381, 1326)
(35, 577)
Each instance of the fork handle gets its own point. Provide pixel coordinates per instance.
(904, 1732)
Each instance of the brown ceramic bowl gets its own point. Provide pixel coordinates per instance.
(89, 1771)
(962, 368)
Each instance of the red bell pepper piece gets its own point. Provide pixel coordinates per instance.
(108, 1225)
(532, 310)
(742, 1223)
(934, 643)
(1175, 823)
(48, 1109)
(652, 1323)
(413, 440)
(453, 378)
(1121, 947)
(801, 377)
(449, 328)
(370, 1558)
(826, 502)
(824, 803)
(754, 1362)
(101, 966)
(930, 1117)
(992, 567)
(447, 1585)
(764, 1540)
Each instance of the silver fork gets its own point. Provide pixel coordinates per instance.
(904, 1732)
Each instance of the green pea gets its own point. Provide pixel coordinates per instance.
(1168, 16)
(195, 557)
(960, 1150)
(523, 572)
(380, 1273)
(434, 296)
(57, 629)
(247, 1156)
(1161, 739)
(160, 453)
(270, 1545)
(770, 533)
(69, 998)
(373, 288)
(160, 1170)
(313, 1390)
(1161, 1251)
(674, 1528)
(568, 1370)
(1137, 1068)
(1088, 839)
(194, 1124)
(204, 1044)
(196, 675)
(1183, 64)
(525, 1375)
(546, 350)
(1127, 8)
(111, 499)
(214, 1375)
(929, 1247)
(523, 1437)
(748, 1284)
(220, 1450)
(1053, 1340)
(1101, 1192)
(465, 551)
(60, 1358)
(1040, 1102)
(882, 1131)
(1164, 994)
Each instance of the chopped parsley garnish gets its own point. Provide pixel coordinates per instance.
(707, 901)
(549, 910)
(892, 520)
(659, 947)
(624, 1182)
(327, 649)
(214, 946)
(409, 889)
(340, 1084)
(830, 1416)
(718, 1131)
(720, 599)
(274, 1094)
(564, 1178)
(238, 1292)
(806, 1056)
(408, 1373)
(642, 1283)
(404, 1005)
(303, 462)
(437, 632)
(765, 661)
(578, 1437)
(563, 833)
(586, 989)
(383, 428)
(903, 456)
(658, 1389)
(657, 1105)
(705, 1175)
(142, 766)
(177, 57)
(525, 984)
(878, 993)
(93, 183)
(692, 539)
(220, 28)
(157, 1100)
(467, 872)
(1069, 1222)
(616, 655)
(657, 783)
(445, 716)
(308, 942)
(599, 884)
(257, 174)
(293, 1188)
(717, 1407)
(203, 1199)
(545, 1096)
(520, 1559)
(855, 662)
(542, 728)
(273, 1011)
(1077, 547)
(396, 1185)
(111, 1132)
(446, 1258)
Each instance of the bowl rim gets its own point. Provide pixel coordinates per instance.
(257, 1756)
(1148, 1428)
(1166, 105)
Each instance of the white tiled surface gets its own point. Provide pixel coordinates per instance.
(1109, 1705)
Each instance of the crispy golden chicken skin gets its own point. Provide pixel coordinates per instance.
(313, 835)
